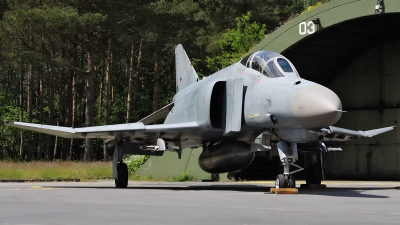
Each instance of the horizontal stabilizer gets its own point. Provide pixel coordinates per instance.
(341, 134)
(371, 133)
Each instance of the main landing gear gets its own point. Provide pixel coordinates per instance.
(124, 146)
(122, 179)
(288, 155)
(314, 173)
(120, 169)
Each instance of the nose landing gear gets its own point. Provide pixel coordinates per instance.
(288, 155)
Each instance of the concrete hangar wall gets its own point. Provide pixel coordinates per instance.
(350, 47)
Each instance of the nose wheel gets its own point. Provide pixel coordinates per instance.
(292, 182)
(283, 181)
(280, 181)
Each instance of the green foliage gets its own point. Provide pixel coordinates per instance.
(41, 38)
(311, 7)
(236, 42)
(134, 162)
(8, 136)
(311, 4)
(185, 176)
(32, 33)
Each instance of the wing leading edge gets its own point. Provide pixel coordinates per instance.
(107, 131)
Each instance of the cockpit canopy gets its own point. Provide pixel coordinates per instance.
(270, 64)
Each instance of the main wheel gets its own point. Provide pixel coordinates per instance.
(122, 180)
(280, 181)
(314, 174)
(292, 182)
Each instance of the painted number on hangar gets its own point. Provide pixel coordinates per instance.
(306, 28)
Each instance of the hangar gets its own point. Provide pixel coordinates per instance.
(353, 48)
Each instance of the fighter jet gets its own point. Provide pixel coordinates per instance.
(253, 105)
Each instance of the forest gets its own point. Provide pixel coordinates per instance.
(79, 63)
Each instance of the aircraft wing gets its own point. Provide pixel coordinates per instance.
(341, 134)
(107, 131)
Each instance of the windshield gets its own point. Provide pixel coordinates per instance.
(284, 65)
(270, 64)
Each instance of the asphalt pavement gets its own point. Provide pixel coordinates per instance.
(343, 202)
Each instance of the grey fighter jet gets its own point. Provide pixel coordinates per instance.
(250, 106)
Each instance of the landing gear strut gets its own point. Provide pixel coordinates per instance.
(288, 155)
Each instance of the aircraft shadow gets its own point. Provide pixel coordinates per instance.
(354, 192)
(347, 192)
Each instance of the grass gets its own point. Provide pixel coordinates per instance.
(55, 170)
(71, 170)
(185, 176)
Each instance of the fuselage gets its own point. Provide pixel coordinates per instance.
(274, 98)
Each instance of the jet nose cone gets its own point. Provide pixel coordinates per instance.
(316, 107)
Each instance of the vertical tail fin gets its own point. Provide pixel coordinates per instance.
(185, 73)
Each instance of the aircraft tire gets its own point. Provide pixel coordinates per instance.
(291, 182)
(280, 181)
(314, 174)
(122, 180)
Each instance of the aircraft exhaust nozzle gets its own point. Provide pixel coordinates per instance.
(316, 107)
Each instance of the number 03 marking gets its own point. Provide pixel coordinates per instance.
(306, 28)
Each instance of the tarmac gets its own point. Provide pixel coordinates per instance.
(249, 203)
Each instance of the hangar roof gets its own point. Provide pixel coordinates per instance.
(347, 29)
